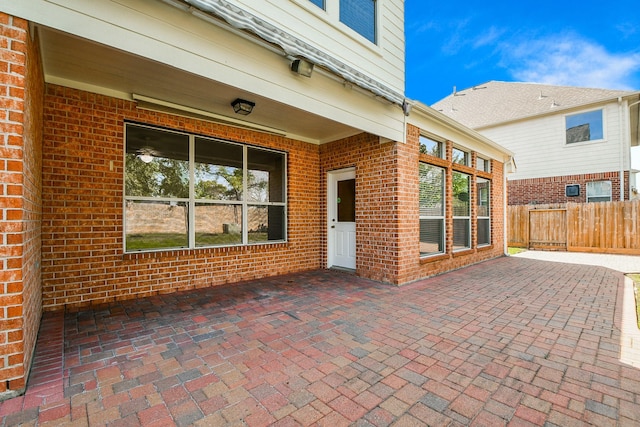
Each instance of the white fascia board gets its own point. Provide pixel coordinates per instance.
(432, 121)
(163, 33)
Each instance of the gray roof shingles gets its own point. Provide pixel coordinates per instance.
(498, 102)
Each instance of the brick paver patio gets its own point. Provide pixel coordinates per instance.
(511, 341)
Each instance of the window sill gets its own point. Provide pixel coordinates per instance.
(181, 252)
(433, 258)
(463, 252)
(485, 247)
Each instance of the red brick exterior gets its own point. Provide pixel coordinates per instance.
(21, 94)
(62, 225)
(552, 189)
(82, 243)
(414, 267)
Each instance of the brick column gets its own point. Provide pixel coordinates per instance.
(21, 95)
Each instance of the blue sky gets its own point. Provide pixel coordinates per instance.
(562, 42)
(466, 43)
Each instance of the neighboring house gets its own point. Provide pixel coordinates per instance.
(155, 146)
(571, 144)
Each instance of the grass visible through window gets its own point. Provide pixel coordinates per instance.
(141, 242)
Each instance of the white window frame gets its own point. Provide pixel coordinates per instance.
(441, 146)
(192, 201)
(331, 14)
(466, 154)
(487, 164)
(589, 141)
(483, 217)
(441, 218)
(375, 22)
(590, 187)
(463, 217)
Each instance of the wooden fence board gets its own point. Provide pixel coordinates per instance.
(607, 227)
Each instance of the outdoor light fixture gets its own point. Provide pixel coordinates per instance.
(302, 67)
(146, 154)
(147, 158)
(242, 106)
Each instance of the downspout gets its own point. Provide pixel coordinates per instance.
(511, 163)
(623, 148)
(627, 138)
(505, 218)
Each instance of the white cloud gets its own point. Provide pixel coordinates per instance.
(489, 37)
(570, 60)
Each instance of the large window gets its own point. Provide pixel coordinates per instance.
(461, 211)
(599, 191)
(483, 199)
(431, 201)
(360, 15)
(186, 191)
(584, 127)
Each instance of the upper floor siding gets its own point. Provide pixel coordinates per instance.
(541, 149)
(248, 45)
(382, 58)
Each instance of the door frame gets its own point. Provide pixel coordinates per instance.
(332, 177)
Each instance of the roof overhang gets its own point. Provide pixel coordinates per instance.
(457, 130)
(152, 49)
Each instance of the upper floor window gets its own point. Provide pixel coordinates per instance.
(360, 16)
(431, 147)
(599, 191)
(319, 3)
(186, 191)
(460, 157)
(584, 127)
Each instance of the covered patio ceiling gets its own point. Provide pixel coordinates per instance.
(79, 63)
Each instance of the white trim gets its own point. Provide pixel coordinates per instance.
(589, 141)
(332, 177)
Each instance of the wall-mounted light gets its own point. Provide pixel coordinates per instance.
(302, 67)
(242, 106)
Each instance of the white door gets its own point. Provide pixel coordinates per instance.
(341, 215)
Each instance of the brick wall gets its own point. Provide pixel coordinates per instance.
(413, 267)
(83, 261)
(552, 189)
(377, 220)
(21, 95)
(387, 216)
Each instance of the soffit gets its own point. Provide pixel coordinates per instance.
(76, 62)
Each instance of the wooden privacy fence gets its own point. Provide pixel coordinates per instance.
(608, 227)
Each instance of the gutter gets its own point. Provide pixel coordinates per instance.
(455, 125)
(291, 45)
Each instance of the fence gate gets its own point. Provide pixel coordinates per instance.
(548, 229)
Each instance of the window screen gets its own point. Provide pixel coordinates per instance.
(360, 15)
